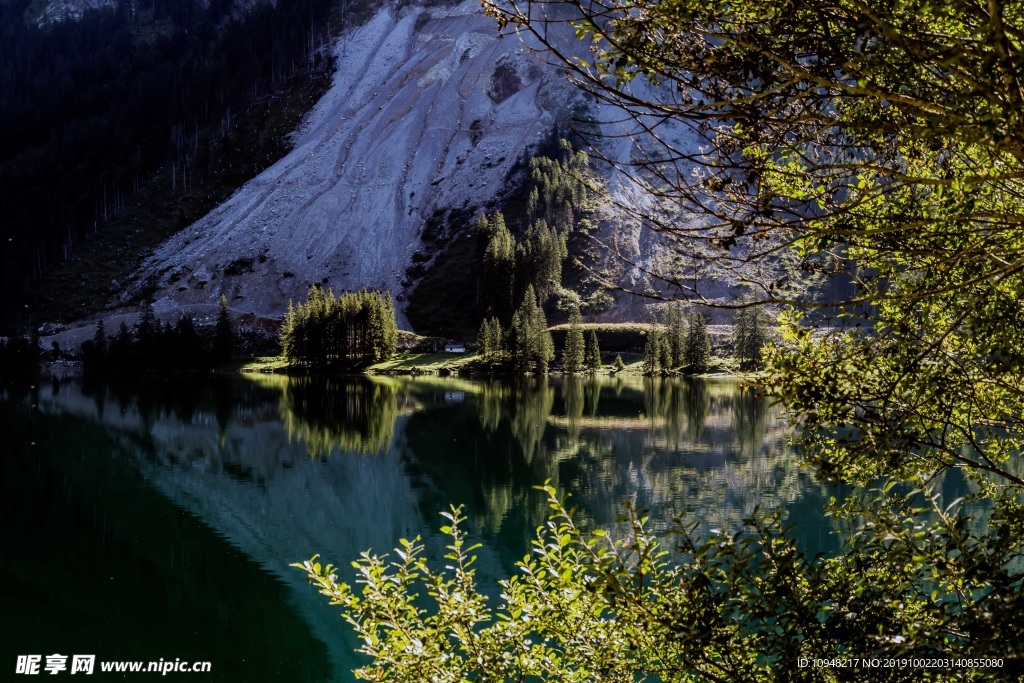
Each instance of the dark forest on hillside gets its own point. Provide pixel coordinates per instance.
(91, 109)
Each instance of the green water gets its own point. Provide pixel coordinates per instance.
(158, 519)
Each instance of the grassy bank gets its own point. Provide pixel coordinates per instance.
(265, 364)
(440, 363)
(402, 363)
(430, 362)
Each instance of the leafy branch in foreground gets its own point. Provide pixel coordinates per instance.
(589, 605)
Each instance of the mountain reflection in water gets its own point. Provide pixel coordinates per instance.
(280, 468)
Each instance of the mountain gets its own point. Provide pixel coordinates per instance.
(429, 119)
(429, 111)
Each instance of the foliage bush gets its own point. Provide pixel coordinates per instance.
(685, 605)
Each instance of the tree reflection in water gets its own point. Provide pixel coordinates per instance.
(352, 414)
(705, 447)
(709, 448)
(673, 445)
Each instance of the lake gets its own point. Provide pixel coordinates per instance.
(157, 519)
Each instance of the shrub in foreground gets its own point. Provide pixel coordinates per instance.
(622, 607)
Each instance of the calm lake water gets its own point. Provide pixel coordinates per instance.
(158, 519)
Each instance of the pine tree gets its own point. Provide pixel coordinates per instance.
(167, 345)
(381, 335)
(99, 340)
(188, 345)
(665, 353)
(675, 334)
(544, 351)
(491, 341)
(697, 352)
(530, 340)
(288, 336)
(223, 335)
(496, 340)
(652, 349)
(497, 222)
(145, 332)
(519, 338)
(483, 226)
(315, 328)
(374, 334)
(750, 336)
(94, 351)
(574, 353)
(390, 338)
(483, 341)
(619, 365)
(122, 348)
(500, 267)
(593, 354)
(541, 257)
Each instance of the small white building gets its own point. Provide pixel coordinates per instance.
(454, 348)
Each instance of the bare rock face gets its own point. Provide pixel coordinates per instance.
(429, 111)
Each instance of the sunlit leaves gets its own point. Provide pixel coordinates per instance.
(915, 580)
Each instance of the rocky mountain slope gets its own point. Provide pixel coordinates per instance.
(428, 111)
(429, 115)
